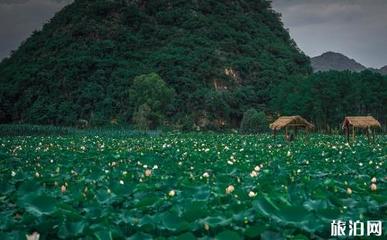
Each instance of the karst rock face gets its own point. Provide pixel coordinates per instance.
(220, 57)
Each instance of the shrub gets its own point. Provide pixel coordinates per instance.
(253, 122)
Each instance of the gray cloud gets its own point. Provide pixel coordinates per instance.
(19, 18)
(357, 28)
(25, 1)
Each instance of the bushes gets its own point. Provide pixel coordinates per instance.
(151, 97)
(253, 122)
(7, 130)
(33, 130)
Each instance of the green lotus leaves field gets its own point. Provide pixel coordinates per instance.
(188, 186)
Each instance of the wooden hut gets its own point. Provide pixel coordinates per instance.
(367, 123)
(287, 122)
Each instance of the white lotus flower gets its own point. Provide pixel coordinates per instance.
(13, 174)
(121, 182)
(230, 189)
(374, 187)
(252, 194)
(253, 174)
(33, 236)
(206, 227)
(206, 174)
(257, 168)
(148, 172)
(172, 193)
(373, 180)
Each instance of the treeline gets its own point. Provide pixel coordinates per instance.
(326, 98)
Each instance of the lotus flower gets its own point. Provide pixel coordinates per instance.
(148, 172)
(253, 174)
(373, 180)
(172, 193)
(230, 189)
(33, 236)
(252, 194)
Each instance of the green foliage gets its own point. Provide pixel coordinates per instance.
(7, 130)
(151, 97)
(253, 122)
(327, 97)
(150, 89)
(108, 196)
(83, 63)
(141, 118)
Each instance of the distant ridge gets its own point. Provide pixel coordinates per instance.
(383, 70)
(339, 62)
(335, 61)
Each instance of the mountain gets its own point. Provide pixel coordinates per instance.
(339, 62)
(335, 61)
(383, 70)
(220, 58)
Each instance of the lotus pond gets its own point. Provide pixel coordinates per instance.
(188, 186)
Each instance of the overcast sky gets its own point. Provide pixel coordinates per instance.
(356, 28)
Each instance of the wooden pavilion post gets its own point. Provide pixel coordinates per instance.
(347, 132)
(373, 134)
(274, 133)
(286, 133)
(368, 133)
(353, 133)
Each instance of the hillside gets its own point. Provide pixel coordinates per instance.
(218, 57)
(335, 61)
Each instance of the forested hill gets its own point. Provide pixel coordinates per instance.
(207, 61)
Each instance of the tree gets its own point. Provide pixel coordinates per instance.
(150, 94)
(141, 118)
(253, 121)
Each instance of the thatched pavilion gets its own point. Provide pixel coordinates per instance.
(287, 122)
(363, 122)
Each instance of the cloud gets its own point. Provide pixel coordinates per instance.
(356, 28)
(19, 18)
(10, 2)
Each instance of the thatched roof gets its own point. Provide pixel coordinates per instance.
(290, 121)
(361, 122)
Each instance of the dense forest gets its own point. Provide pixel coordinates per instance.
(181, 64)
(219, 58)
(327, 97)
